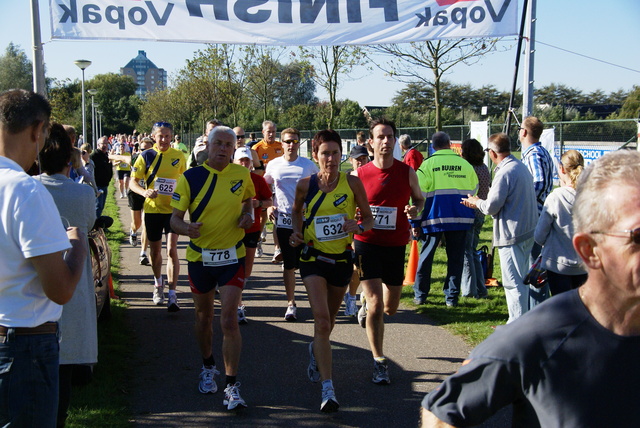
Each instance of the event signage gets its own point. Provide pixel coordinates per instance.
(282, 22)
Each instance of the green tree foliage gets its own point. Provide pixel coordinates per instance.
(631, 107)
(16, 70)
(66, 103)
(295, 85)
(118, 102)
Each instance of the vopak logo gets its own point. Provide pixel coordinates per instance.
(461, 15)
(137, 15)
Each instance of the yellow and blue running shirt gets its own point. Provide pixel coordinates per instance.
(220, 216)
(124, 166)
(172, 165)
(325, 230)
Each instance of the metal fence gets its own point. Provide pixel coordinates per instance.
(617, 133)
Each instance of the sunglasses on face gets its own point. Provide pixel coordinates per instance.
(291, 141)
(84, 152)
(634, 234)
(163, 125)
(240, 136)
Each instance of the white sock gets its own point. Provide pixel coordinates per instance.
(158, 281)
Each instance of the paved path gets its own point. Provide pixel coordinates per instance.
(164, 389)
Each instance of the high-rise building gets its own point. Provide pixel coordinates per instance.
(145, 73)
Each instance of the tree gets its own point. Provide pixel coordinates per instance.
(16, 70)
(261, 78)
(631, 107)
(554, 94)
(117, 100)
(332, 64)
(295, 85)
(437, 56)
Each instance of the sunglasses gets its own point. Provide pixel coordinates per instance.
(634, 234)
(240, 136)
(291, 141)
(163, 125)
(84, 152)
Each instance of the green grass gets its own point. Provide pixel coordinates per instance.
(104, 402)
(472, 318)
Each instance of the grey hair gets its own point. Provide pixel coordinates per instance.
(221, 129)
(405, 141)
(268, 123)
(591, 208)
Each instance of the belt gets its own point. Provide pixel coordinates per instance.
(46, 328)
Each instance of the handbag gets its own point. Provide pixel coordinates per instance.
(537, 275)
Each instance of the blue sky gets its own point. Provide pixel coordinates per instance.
(606, 30)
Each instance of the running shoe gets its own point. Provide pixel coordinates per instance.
(277, 256)
(242, 316)
(121, 195)
(207, 383)
(350, 306)
(144, 260)
(232, 397)
(329, 402)
(172, 305)
(362, 313)
(158, 296)
(259, 249)
(312, 370)
(381, 372)
(133, 238)
(291, 314)
(263, 235)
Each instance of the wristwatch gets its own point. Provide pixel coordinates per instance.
(361, 227)
(260, 203)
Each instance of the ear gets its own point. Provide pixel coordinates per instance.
(37, 132)
(587, 248)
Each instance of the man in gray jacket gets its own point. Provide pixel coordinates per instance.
(512, 204)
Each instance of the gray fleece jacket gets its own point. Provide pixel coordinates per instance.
(512, 203)
(555, 231)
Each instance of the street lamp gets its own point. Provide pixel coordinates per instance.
(93, 93)
(82, 64)
(96, 133)
(100, 120)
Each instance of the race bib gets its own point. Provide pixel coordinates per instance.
(330, 227)
(214, 258)
(384, 217)
(284, 221)
(165, 186)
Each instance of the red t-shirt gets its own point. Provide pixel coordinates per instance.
(263, 191)
(413, 158)
(389, 190)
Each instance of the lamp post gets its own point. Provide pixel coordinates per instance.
(96, 133)
(93, 93)
(82, 64)
(100, 120)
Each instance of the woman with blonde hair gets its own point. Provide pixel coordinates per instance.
(554, 230)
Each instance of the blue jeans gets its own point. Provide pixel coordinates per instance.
(28, 380)
(455, 261)
(472, 284)
(101, 200)
(514, 263)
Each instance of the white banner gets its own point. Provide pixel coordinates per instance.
(479, 131)
(282, 22)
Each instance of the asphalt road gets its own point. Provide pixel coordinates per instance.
(164, 388)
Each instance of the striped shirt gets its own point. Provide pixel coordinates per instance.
(540, 165)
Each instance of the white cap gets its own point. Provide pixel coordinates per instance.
(242, 152)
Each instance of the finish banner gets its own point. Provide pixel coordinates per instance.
(282, 22)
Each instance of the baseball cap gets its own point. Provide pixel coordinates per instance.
(357, 151)
(242, 152)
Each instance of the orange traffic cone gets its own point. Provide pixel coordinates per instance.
(412, 265)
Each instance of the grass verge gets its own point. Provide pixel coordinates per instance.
(104, 402)
(472, 318)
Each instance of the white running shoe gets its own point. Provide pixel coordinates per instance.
(277, 256)
(133, 238)
(312, 370)
(232, 397)
(350, 306)
(172, 305)
(329, 402)
(158, 296)
(242, 316)
(291, 314)
(259, 250)
(207, 383)
(362, 313)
